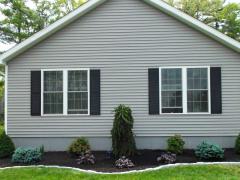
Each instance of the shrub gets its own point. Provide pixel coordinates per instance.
(41, 149)
(86, 158)
(209, 151)
(1, 123)
(27, 155)
(237, 144)
(123, 142)
(124, 162)
(175, 144)
(6, 145)
(167, 158)
(79, 146)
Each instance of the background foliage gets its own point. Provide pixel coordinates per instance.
(215, 13)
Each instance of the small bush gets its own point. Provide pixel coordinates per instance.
(123, 142)
(124, 162)
(41, 149)
(27, 155)
(167, 158)
(86, 158)
(209, 151)
(79, 146)
(237, 144)
(175, 144)
(6, 145)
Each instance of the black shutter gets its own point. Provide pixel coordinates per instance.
(216, 90)
(95, 92)
(153, 90)
(36, 93)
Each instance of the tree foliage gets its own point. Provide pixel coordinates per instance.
(215, 13)
(230, 19)
(20, 21)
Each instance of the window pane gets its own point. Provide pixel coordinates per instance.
(77, 80)
(77, 92)
(53, 81)
(171, 90)
(197, 93)
(77, 102)
(53, 92)
(53, 103)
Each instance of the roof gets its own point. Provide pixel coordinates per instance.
(91, 4)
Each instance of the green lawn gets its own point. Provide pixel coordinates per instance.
(184, 172)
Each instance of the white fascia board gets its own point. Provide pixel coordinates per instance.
(46, 32)
(196, 24)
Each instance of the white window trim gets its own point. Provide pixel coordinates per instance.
(184, 89)
(65, 91)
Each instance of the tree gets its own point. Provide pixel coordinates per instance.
(199, 9)
(230, 19)
(213, 13)
(19, 23)
(63, 7)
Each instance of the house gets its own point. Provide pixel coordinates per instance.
(177, 74)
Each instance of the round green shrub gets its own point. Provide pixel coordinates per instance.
(209, 151)
(123, 142)
(6, 145)
(79, 146)
(27, 155)
(237, 144)
(175, 144)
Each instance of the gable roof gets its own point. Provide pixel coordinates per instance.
(91, 4)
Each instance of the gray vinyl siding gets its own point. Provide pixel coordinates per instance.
(123, 38)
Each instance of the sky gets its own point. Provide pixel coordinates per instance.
(5, 47)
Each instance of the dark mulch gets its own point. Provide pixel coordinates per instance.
(144, 159)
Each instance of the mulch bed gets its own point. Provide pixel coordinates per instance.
(144, 159)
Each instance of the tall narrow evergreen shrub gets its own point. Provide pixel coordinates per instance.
(123, 142)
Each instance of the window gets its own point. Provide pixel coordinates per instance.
(184, 90)
(65, 92)
(172, 90)
(77, 92)
(197, 90)
(53, 92)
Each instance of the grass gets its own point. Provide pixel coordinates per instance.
(178, 173)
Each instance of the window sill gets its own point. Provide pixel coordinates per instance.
(185, 114)
(63, 115)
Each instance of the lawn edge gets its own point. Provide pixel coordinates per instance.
(126, 172)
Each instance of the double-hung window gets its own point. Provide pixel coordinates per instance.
(53, 92)
(77, 92)
(171, 90)
(65, 92)
(184, 90)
